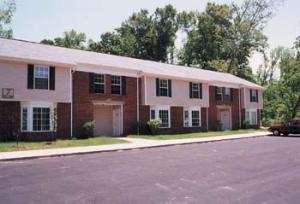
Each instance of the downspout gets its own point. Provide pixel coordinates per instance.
(71, 97)
(240, 119)
(139, 73)
(207, 119)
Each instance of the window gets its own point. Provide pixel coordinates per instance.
(99, 83)
(162, 113)
(195, 90)
(24, 119)
(251, 116)
(228, 94)
(41, 119)
(116, 85)
(38, 117)
(192, 117)
(152, 115)
(164, 117)
(253, 95)
(186, 118)
(219, 93)
(41, 77)
(163, 87)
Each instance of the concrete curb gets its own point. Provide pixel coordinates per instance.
(113, 148)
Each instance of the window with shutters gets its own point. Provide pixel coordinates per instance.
(196, 91)
(253, 95)
(41, 77)
(116, 85)
(163, 87)
(99, 83)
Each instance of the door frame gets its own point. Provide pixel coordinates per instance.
(108, 102)
(222, 108)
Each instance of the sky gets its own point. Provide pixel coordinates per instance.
(35, 20)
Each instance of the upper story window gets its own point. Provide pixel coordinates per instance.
(99, 83)
(163, 87)
(228, 94)
(253, 95)
(41, 77)
(219, 93)
(195, 90)
(116, 85)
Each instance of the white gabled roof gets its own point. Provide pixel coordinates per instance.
(23, 51)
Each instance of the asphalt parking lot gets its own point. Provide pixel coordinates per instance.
(254, 170)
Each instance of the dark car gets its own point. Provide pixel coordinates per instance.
(291, 127)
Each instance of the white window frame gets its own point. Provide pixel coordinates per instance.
(190, 119)
(36, 66)
(254, 94)
(157, 109)
(163, 87)
(220, 93)
(30, 106)
(100, 82)
(227, 93)
(248, 116)
(196, 90)
(120, 85)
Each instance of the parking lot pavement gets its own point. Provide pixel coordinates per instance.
(254, 170)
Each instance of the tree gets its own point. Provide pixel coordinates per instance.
(70, 39)
(7, 9)
(142, 35)
(223, 36)
(282, 96)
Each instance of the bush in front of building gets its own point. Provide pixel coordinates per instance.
(88, 130)
(154, 125)
(246, 124)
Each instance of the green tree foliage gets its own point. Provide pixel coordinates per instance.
(223, 36)
(70, 39)
(7, 9)
(142, 35)
(282, 96)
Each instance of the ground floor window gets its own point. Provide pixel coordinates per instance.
(162, 113)
(38, 117)
(192, 117)
(251, 116)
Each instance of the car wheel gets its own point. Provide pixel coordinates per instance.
(276, 132)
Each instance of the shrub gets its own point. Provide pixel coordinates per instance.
(154, 125)
(219, 125)
(88, 130)
(246, 124)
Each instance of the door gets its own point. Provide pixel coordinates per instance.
(117, 122)
(225, 119)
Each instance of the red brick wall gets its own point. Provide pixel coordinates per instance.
(64, 120)
(176, 121)
(213, 103)
(83, 107)
(9, 119)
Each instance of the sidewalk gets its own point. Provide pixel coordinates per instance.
(134, 144)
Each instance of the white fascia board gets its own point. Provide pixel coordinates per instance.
(102, 69)
(165, 76)
(36, 61)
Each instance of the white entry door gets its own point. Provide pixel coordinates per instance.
(225, 119)
(117, 122)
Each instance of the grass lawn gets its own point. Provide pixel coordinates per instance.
(11, 146)
(195, 135)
